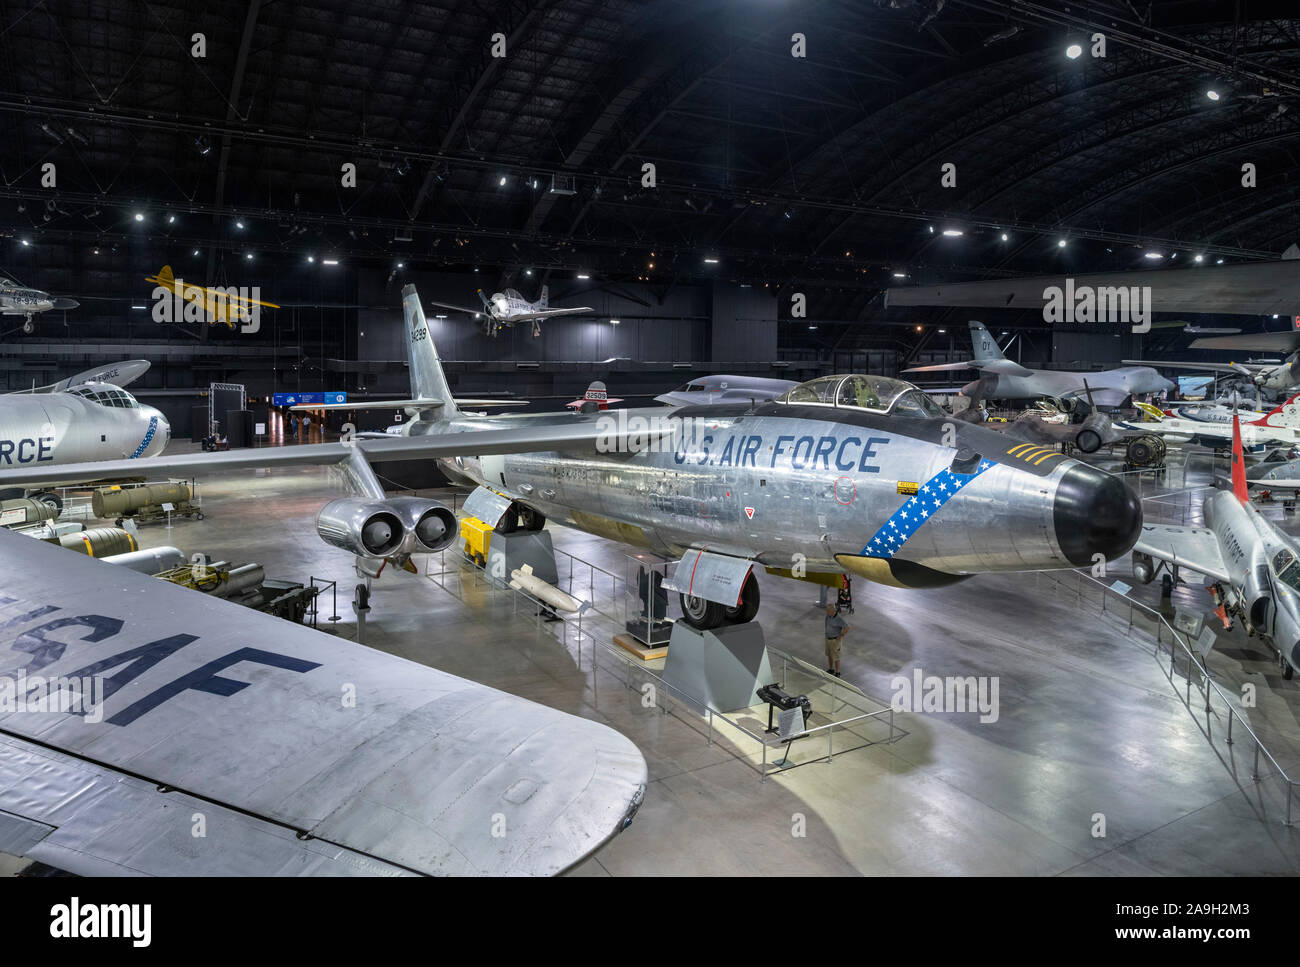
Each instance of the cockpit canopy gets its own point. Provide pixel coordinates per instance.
(8, 283)
(1286, 569)
(106, 395)
(880, 394)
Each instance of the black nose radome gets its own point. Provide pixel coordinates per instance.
(1094, 513)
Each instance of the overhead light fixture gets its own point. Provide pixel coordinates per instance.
(812, 327)
(171, 219)
(139, 216)
(440, 316)
(1154, 255)
(196, 252)
(583, 275)
(248, 257)
(311, 258)
(1060, 243)
(931, 229)
(1213, 95)
(1174, 256)
(918, 328)
(1004, 236)
(1219, 262)
(528, 271)
(502, 182)
(1074, 51)
(25, 243)
(710, 261)
(900, 275)
(239, 224)
(953, 232)
(941, 331)
(138, 307)
(401, 265)
(614, 322)
(1199, 258)
(330, 261)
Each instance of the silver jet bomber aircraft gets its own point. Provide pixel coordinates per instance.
(509, 307)
(861, 474)
(1003, 379)
(1254, 564)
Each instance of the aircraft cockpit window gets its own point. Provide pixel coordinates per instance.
(1287, 569)
(695, 387)
(867, 392)
(814, 391)
(914, 403)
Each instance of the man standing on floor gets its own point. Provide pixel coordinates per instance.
(835, 630)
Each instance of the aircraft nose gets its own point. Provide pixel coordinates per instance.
(1094, 513)
(161, 435)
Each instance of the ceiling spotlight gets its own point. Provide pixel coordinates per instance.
(1174, 256)
(1200, 258)
(900, 275)
(941, 331)
(248, 257)
(401, 265)
(1219, 262)
(528, 271)
(139, 216)
(812, 327)
(1074, 51)
(614, 322)
(931, 229)
(96, 251)
(1275, 315)
(953, 232)
(502, 182)
(583, 275)
(1154, 255)
(25, 243)
(331, 261)
(239, 224)
(710, 261)
(1212, 95)
(1060, 243)
(1004, 236)
(196, 253)
(918, 328)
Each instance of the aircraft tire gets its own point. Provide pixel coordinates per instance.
(50, 498)
(530, 520)
(748, 607)
(701, 614)
(509, 522)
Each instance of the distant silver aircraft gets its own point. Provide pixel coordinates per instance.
(851, 473)
(1002, 379)
(724, 388)
(17, 299)
(509, 308)
(81, 418)
(1254, 564)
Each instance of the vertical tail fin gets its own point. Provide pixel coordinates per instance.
(983, 343)
(1285, 414)
(427, 378)
(165, 275)
(543, 302)
(1239, 488)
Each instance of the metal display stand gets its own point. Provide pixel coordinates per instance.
(720, 669)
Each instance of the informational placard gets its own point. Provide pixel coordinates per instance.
(789, 722)
(308, 399)
(168, 507)
(12, 517)
(259, 429)
(1205, 642)
(1189, 623)
(1119, 587)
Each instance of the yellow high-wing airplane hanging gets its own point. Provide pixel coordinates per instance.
(228, 304)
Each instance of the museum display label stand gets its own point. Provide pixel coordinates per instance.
(723, 668)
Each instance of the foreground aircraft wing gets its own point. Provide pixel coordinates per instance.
(1247, 289)
(1193, 548)
(537, 438)
(1282, 342)
(293, 751)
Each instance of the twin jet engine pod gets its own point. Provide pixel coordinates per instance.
(430, 526)
(383, 528)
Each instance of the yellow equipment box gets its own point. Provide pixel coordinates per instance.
(476, 536)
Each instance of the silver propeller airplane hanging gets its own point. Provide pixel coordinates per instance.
(509, 308)
(860, 474)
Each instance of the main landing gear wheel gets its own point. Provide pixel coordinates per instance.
(530, 520)
(702, 614)
(748, 607)
(50, 499)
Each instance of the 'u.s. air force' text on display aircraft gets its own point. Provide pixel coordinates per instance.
(860, 474)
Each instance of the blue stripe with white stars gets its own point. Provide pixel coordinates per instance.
(912, 515)
(148, 438)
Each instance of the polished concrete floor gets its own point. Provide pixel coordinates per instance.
(1093, 765)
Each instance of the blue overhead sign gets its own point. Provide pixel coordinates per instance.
(309, 399)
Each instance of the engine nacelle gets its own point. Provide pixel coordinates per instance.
(1144, 567)
(429, 525)
(368, 528)
(1092, 433)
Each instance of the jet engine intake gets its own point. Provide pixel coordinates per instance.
(1144, 567)
(368, 528)
(1257, 597)
(429, 525)
(1092, 433)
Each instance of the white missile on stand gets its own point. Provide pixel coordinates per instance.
(523, 579)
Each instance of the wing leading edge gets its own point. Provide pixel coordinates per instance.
(302, 752)
(1192, 548)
